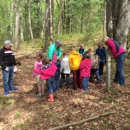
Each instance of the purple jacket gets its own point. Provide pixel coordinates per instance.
(114, 48)
(85, 68)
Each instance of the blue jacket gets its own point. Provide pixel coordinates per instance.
(57, 74)
(101, 53)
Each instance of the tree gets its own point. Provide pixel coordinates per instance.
(118, 21)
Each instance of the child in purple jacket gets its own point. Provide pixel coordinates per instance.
(85, 68)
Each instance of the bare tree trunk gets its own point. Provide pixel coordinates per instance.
(51, 20)
(16, 25)
(47, 26)
(118, 21)
(121, 21)
(21, 25)
(30, 23)
(60, 17)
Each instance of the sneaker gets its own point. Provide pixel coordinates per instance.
(6, 94)
(39, 95)
(82, 90)
(14, 90)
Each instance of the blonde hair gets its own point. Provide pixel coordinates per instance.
(81, 45)
(105, 39)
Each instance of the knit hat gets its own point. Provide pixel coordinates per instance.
(7, 42)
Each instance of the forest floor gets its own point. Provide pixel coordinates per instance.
(102, 110)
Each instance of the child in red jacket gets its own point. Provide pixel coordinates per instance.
(85, 68)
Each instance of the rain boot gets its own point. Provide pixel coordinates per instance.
(50, 98)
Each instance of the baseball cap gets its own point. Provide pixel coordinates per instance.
(8, 42)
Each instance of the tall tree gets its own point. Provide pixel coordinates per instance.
(16, 39)
(30, 23)
(117, 20)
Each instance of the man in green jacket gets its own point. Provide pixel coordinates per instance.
(56, 46)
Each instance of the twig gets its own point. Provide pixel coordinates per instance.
(82, 121)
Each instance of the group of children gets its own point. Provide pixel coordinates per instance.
(83, 64)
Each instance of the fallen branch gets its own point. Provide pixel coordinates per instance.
(82, 121)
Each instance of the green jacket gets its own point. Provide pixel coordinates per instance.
(52, 49)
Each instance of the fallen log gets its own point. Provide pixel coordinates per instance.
(82, 121)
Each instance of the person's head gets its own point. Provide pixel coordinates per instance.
(105, 39)
(65, 53)
(8, 44)
(73, 48)
(81, 46)
(100, 46)
(39, 56)
(86, 55)
(90, 51)
(45, 60)
(58, 43)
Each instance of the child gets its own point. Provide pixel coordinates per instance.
(81, 49)
(57, 75)
(47, 73)
(101, 52)
(37, 66)
(85, 68)
(65, 70)
(74, 62)
(95, 67)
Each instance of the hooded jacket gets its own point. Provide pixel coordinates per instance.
(114, 48)
(85, 68)
(74, 60)
(52, 49)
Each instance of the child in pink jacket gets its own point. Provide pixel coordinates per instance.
(85, 68)
(47, 73)
(37, 66)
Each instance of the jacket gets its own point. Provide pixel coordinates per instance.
(6, 58)
(95, 61)
(48, 72)
(74, 60)
(65, 68)
(114, 48)
(85, 68)
(52, 49)
(57, 74)
(37, 66)
(102, 54)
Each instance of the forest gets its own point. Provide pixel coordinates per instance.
(33, 25)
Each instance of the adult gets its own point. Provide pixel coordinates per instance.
(8, 64)
(118, 53)
(101, 52)
(56, 46)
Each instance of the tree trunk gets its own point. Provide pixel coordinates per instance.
(60, 17)
(121, 21)
(30, 23)
(16, 24)
(118, 21)
(47, 26)
(51, 20)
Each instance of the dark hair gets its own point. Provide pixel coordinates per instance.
(86, 55)
(45, 60)
(39, 56)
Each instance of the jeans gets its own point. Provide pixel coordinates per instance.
(56, 85)
(51, 85)
(119, 76)
(65, 77)
(93, 72)
(101, 66)
(8, 79)
(85, 82)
